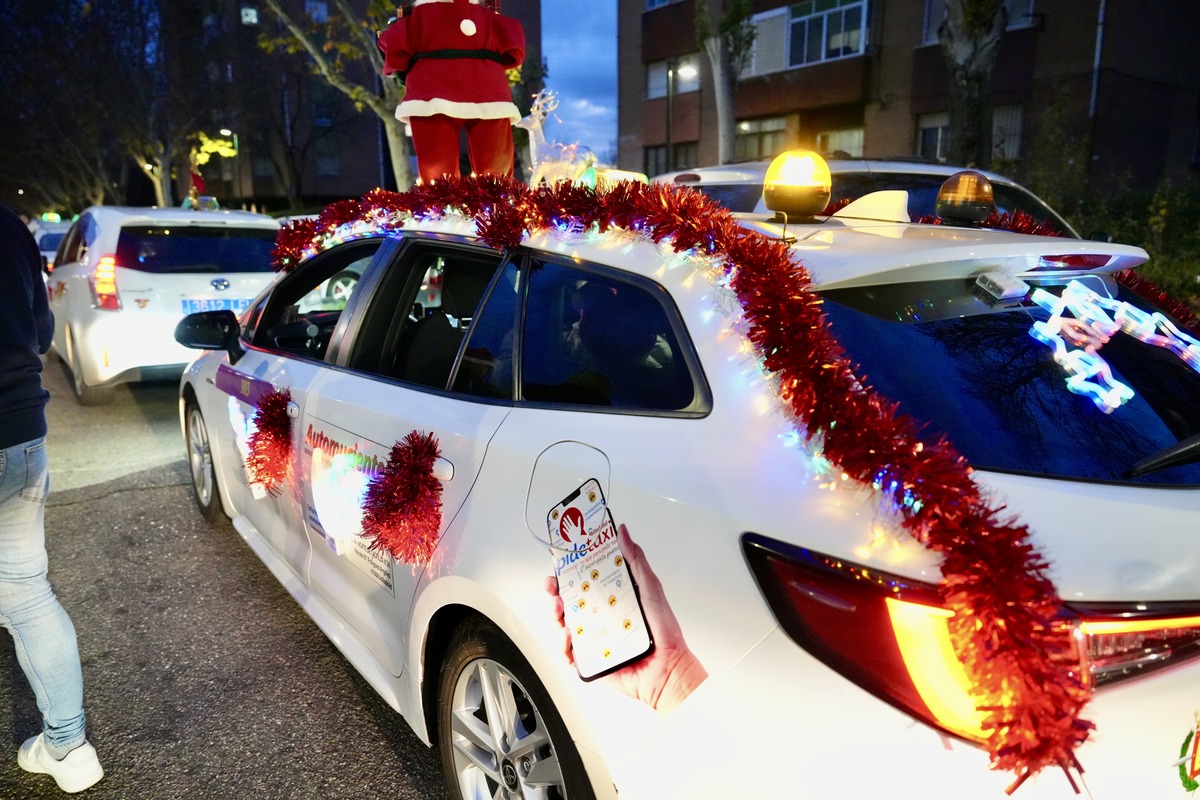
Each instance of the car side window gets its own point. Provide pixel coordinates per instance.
(301, 313)
(594, 340)
(486, 367)
(421, 317)
(75, 246)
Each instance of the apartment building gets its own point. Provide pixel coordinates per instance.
(1110, 88)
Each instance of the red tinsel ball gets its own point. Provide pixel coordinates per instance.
(402, 507)
(269, 462)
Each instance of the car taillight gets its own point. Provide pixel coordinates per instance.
(1123, 643)
(1074, 261)
(889, 634)
(885, 633)
(104, 284)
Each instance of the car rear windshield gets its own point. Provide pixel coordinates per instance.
(195, 248)
(971, 369)
(923, 190)
(738, 197)
(50, 241)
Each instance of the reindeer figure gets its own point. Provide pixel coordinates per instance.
(551, 162)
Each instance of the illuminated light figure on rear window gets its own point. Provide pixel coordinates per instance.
(1076, 339)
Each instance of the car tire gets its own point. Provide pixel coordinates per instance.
(477, 761)
(86, 394)
(205, 491)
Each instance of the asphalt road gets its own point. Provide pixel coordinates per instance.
(202, 677)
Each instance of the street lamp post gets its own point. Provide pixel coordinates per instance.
(674, 69)
(671, 66)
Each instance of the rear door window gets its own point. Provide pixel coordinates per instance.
(195, 249)
(593, 339)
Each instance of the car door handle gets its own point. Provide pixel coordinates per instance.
(443, 470)
(293, 410)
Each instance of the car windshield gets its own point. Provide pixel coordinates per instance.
(972, 370)
(195, 248)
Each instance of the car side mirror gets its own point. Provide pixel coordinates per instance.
(211, 330)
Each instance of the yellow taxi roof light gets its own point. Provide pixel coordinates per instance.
(966, 197)
(797, 184)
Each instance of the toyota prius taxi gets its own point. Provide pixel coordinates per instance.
(652, 501)
(125, 277)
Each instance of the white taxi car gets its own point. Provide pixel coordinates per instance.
(660, 503)
(738, 186)
(125, 276)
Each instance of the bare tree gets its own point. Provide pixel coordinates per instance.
(970, 40)
(724, 30)
(346, 37)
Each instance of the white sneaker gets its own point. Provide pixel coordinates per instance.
(76, 772)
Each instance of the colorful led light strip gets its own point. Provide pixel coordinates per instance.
(1076, 340)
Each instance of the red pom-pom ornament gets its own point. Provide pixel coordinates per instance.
(402, 507)
(269, 462)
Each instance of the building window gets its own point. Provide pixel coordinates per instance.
(824, 30)
(760, 138)
(686, 155)
(687, 76)
(263, 167)
(654, 160)
(1006, 131)
(933, 133)
(847, 143)
(249, 15)
(652, 4)
(1020, 15)
(325, 150)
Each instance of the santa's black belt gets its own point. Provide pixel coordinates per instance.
(488, 55)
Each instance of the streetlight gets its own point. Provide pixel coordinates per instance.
(237, 162)
(686, 71)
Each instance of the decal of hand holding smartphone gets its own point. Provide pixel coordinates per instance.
(601, 608)
(616, 618)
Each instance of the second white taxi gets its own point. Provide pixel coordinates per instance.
(125, 276)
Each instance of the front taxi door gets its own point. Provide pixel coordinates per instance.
(394, 380)
(289, 343)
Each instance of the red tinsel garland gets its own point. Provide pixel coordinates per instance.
(402, 507)
(1016, 221)
(269, 462)
(1019, 655)
(1145, 289)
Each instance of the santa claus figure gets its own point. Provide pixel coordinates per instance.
(452, 56)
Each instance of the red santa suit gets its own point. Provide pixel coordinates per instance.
(454, 54)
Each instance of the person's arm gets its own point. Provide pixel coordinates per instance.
(508, 39)
(393, 43)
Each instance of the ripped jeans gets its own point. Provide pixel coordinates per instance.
(41, 629)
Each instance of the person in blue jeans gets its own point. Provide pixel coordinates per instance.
(41, 629)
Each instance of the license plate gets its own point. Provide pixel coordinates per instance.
(219, 304)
